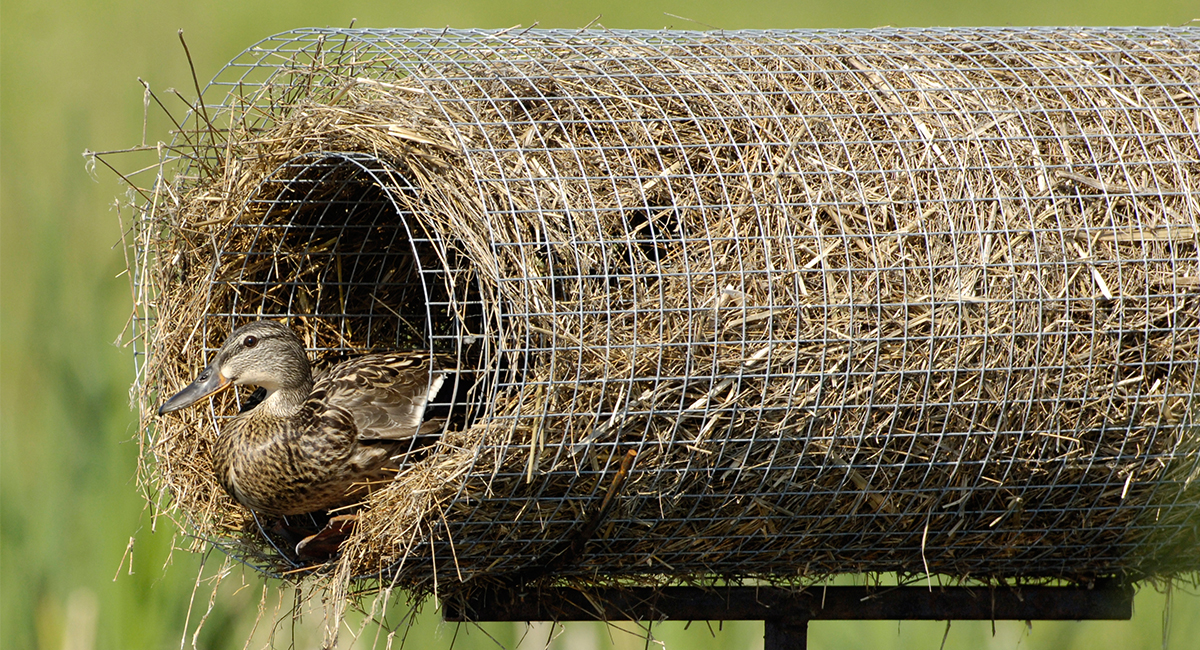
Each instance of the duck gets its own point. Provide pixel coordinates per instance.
(313, 444)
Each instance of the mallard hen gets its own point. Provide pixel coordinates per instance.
(312, 445)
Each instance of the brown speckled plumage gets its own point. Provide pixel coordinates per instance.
(309, 445)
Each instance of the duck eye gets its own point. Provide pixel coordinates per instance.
(250, 341)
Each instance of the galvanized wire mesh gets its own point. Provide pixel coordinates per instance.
(887, 300)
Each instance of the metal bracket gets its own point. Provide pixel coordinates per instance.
(786, 612)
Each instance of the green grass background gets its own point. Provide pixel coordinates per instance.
(69, 508)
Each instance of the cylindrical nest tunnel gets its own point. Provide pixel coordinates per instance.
(923, 301)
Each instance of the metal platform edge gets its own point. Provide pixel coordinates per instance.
(786, 612)
(1101, 602)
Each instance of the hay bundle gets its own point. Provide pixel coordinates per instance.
(882, 301)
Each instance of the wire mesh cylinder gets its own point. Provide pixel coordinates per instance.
(890, 300)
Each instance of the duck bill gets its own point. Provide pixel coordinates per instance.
(210, 381)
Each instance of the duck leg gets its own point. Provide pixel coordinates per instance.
(325, 543)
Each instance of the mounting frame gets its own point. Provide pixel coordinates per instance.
(786, 612)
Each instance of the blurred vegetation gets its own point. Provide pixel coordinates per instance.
(82, 563)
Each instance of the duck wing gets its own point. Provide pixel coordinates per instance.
(385, 394)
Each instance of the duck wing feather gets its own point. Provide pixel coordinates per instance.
(385, 394)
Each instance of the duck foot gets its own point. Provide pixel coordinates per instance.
(324, 544)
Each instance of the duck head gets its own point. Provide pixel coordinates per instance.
(263, 353)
